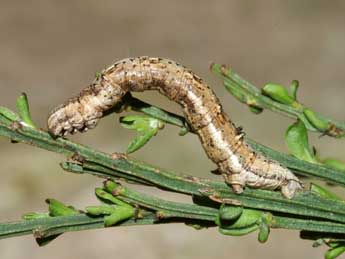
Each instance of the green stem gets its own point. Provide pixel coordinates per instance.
(301, 167)
(235, 84)
(304, 204)
(57, 225)
(169, 212)
(305, 212)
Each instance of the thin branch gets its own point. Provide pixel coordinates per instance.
(252, 96)
(82, 159)
(315, 216)
(299, 166)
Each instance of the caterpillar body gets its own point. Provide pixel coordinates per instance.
(221, 140)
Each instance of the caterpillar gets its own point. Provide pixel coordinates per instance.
(222, 141)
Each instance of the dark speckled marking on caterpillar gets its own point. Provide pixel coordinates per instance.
(221, 140)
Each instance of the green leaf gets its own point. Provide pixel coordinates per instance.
(239, 221)
(112, 213)
(247, 218)
(140, 140)
(293, 88)
(147, 127)
(278, 93)
(237, 92)
(140, 123)
(238, 231)
(35, 215)
(314, 120)
(9, 114)
(227, 212)
(333, 253)
(323, 192)
(57, 208)
(264, 232)
(264, 227)
(24, 110)
(104, 209)
(108, 197)
(334, 163)
(244, 97)
(73, 167)
(255, 109)
(119, 214)
(296, 138)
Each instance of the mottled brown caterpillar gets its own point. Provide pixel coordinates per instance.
(221, 140)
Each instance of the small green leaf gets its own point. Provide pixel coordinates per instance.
(323, 192)
(314, 120)
(24, 110)
(120, 213)
(278, 93)
(227, 212)
(147, 127)
(140, 123)
(264, 232)
(296, 138)
(264, 227)
(140, 140)
(334, 243)
(253, 104)
(255, 109)
(293, 88)
(244, 97)
(237, 92)
(9, 114)
(238, 231)
(104, 209)
(334, 163)
(35, 215)
(333, 253)
(108, 197)
(72, 167)
(113, 214)
(248, 218)
(57, 208)
(110, 186)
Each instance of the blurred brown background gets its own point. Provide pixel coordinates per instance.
(51, 49)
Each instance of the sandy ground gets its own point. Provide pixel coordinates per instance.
(51, 49)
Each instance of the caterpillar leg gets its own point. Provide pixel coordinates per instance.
(290, 188)
(288, 185)
(235, 181)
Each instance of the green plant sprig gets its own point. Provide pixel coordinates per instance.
(276, 98)
(304, 204)
(301, 167)
(260, 209)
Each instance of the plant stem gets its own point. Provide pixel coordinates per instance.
(57, 225)
(306, 211)
(119, 165)
(252, 96)
(299, 166)
(169, 212)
